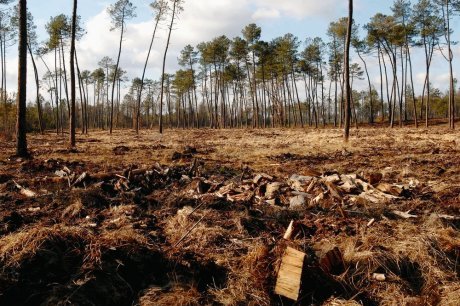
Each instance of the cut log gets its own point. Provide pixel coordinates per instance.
(261, 176)
(299, 182)
(334, 178)
(290, 274)
(273, 190)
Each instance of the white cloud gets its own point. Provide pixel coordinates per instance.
(266, 13)
(301, 8)
(200, 21)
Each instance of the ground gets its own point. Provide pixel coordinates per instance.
(195, 217)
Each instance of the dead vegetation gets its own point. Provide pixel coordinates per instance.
(206, 217)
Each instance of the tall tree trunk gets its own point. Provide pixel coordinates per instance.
(37, 87)
(56, 95)
(371, 99)
(451, 73)
(83, 101)
(381, 84)
(115, 73)
(139, 97)
(72, 75)
(173, 15)
(297, 96)
(21, 138)
(347, 72)
(65, 78)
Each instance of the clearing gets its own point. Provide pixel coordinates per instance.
(197, 217)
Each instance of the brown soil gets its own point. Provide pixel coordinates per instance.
(183, 218)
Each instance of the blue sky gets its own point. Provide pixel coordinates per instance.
(205, 19)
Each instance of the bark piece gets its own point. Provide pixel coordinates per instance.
(289, 274)
(374, 178)
(390, 189)
(332, 262)
(335, 193)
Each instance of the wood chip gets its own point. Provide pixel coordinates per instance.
(369, 224)
(80, 179)
(24, 191)
(289, 231)
(379, 277)
(404, 215)
(448, 217)
(312, 185)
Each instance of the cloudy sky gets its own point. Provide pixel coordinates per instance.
(200, 21)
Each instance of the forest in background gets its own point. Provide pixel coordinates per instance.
(244, 81)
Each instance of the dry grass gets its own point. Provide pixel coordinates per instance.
(174, 296)
(199, 231)
(340, 302)
(21, 246)
(241, 241)
(248, 278)
(246, 146)
(413, 257)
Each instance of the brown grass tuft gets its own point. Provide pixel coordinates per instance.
(23, 245)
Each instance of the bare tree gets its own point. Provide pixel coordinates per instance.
(72, 75)
(177, 7)
(21, 139)
(347, 73)
(119, 12)
(159, 7)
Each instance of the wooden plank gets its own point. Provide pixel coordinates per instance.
(289, 274)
